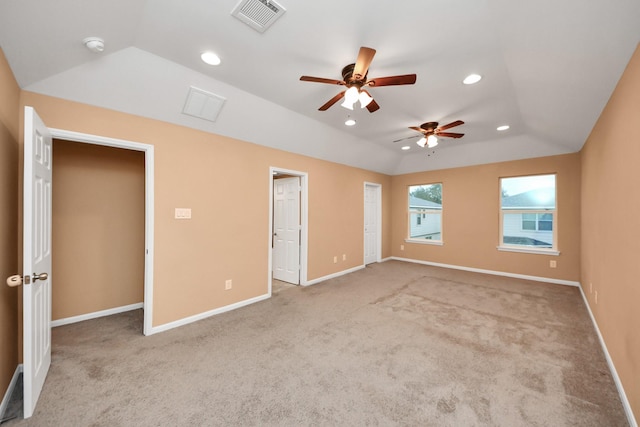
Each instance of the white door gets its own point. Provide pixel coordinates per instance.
(36, 266)
(371, 223)
(286, 230)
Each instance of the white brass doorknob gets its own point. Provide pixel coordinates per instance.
(41, 276)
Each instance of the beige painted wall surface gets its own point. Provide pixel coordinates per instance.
(98, 228)
(9, 125)
(611, 227)
(226, 184)
(471, 203)
(9, 98)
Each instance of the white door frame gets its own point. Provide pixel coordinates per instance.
(378, 188)
(286, 266)
(148, 206)
(304, 221)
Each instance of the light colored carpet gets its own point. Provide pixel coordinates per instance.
(392, 344)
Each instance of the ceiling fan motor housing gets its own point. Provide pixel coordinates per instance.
(347, 75)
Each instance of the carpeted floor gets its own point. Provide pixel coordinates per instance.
(392, 344)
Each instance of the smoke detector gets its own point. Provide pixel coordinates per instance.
(94, 44)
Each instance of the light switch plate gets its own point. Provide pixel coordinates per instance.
(183, 213)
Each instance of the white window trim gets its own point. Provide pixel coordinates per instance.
(425, 241)
(528, 250)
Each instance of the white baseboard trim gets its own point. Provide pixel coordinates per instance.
(493, 272)
(195, 318)
(386, 259)
(9, 391)
(623, 396)
(96, 314)
(332, 276)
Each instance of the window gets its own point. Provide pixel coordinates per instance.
(528, 213)
(425, 213)
(537, 221)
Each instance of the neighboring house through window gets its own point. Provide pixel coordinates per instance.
(528, 213)
(425, 213)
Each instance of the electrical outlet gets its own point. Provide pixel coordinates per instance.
(596, 296)
(228, 284)
(402, 247)
(344, 257)
(553, 263)
(335, 259)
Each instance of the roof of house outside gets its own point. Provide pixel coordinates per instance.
(541, 198)
(416, 202)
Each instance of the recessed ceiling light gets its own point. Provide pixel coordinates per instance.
(472, 79)
(406, 147)
(503, 127)
(210, 58)
(350, 122)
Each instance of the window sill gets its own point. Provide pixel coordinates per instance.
(425, 242)
(529, 250)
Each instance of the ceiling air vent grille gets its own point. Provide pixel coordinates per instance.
(258, 14)
(202, 104)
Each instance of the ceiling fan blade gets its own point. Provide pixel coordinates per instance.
(373, 106)
(365, 56)
(332, 101)
(408, 137)
(450, 134)
(418, 129)
(321, 80)
(452, 124)
(407, 79)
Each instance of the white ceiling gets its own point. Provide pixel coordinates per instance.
(548, 70)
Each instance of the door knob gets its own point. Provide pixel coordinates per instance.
(41, 276)
(18, 280)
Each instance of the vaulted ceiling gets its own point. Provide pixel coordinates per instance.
(548, 69)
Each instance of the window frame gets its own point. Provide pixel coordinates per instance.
(553, 250)
(422, 215)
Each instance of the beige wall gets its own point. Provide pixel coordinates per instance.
(611, 227)
(226, 239)
(226, 184)
(98, 228)
(471, 217)
(9, 124)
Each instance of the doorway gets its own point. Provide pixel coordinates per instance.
(59, 134)
(97, 231)
(372, 222)
(288, 218)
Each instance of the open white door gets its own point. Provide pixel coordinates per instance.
(371, 223)
(286, 230)
(36, 265)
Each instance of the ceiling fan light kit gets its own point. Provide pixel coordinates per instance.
(354, 77)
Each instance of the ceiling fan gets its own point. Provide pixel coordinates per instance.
(431, 132)
(355, 79)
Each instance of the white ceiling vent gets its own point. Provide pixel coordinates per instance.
(258, 14)
(202, 104)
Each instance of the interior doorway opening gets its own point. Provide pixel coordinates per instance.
(288, 234)
(98, 215)
(147, 150)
